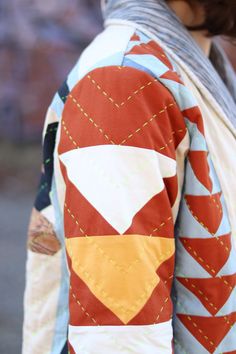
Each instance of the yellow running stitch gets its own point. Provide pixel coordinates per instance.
(91, 120)
(68, 134)
(217, 205)
(195, 325)
(200, 331)
(118, 105)
(83, 309)
(129, 136)
(148, 122)
(87, 275)
(162, 308)
(111, 260)
(202, 294)
(206, 228)
(165, 301)
(213, 271)
(161, 225)
(93, 319)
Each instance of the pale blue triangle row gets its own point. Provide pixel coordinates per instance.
(229, 306)
(187, 226)
(213, 176)
(187, 303)
(229, 267)
(184, 342)
(62, 315)
(228, 344)
(129, 63)
(197, 140)
(186, 266)
(225, 227)
(150, 62)
(192, 185)
(181, 93)
(57, 105)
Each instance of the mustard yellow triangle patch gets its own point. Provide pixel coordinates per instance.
(120, 270)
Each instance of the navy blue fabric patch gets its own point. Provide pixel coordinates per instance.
(42, 198)
(63, 92)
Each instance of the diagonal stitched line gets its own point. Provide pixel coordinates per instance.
(118, 105)
(149, 286)
(195, 325)
(161, 225)
(91, 119)
(202, 261)
(94, 321)
(82, 308)
(68, 134)
(111, 260)
(77, 146)
(206, 228)
(217, 205)
(202, 333)
(148, 122)
(132, 134)
(165, 301)
(202, 294)
(185, 278)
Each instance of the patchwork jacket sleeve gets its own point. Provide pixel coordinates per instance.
(44, 260)
(122, 148)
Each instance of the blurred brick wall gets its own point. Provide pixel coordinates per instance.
(39, 43)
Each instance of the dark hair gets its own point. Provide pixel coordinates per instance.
(220, 17)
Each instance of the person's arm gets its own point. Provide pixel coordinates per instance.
(122, 147)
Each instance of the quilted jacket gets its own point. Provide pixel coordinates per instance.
(139, 185)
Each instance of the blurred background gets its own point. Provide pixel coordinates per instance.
(39, 43)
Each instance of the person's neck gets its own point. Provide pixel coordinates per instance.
(190, 16)
(203, 41)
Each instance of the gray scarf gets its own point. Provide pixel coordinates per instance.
(215, 73)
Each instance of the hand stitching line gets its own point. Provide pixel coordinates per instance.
(206, 228)
(118, 105)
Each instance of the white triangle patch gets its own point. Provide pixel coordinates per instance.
(118, 180)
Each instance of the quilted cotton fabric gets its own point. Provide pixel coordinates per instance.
(148, 236)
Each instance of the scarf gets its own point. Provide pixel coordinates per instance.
(215, 73)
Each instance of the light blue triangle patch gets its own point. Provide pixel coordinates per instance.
(150, 62)
(225, 227)
(187, 303)
(184, 341)
(197, 140)
(188, 226)
(192, 185)
(229, 306)
(214, 178)
(230, 265)
(181, 94)
(186, 266)
(228, 344)
(129, 63)
(57, 105)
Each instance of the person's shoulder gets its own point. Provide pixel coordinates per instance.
(124, 46)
